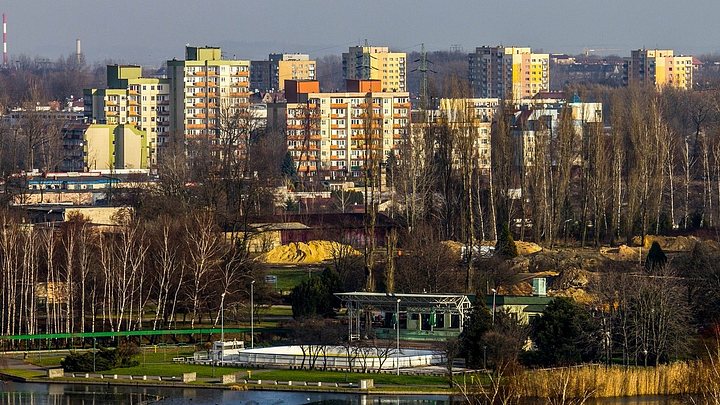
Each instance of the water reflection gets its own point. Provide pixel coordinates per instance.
(70, 394)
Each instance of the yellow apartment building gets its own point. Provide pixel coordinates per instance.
(203, 88)
(131, 99)
(659, 67)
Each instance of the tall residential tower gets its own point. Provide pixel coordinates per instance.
(377, 63)
(508, 72)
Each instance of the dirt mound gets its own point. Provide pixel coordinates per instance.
(669, 243)
(577, 294)
(313, 252)
(527, 248)
(623, 253)
(455, 248)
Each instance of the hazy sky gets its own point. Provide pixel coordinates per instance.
(151, 31)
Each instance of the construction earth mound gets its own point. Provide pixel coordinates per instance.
(312, 252)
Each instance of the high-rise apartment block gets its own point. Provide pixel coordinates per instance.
(203, 88)
(130, 99)
(659, 67)
(377, 63)
(339, 135)
(270, 75)
(508, 72)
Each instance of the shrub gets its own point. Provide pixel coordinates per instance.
(104, 359)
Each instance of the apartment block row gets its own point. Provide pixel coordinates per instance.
(335, 136)
(514, 73)
(192, 99)
(528, 119)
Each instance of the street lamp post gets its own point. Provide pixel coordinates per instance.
(494, 291)
(252, 314)
(222, 328)
(397, 335)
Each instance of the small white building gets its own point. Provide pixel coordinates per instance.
(221, 351)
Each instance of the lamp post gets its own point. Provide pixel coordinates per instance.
(222, 317)
(494, 291)
(222, 327)
(397, 335)
(252, 314)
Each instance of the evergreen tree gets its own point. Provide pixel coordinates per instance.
(314, 296)
(656, 258)
(505, 246)
(472, 338)
(288, 168)
(564, 334)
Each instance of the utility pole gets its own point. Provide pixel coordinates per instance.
(423, 69)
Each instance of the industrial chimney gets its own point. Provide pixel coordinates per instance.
(5, 54)
(78, 51)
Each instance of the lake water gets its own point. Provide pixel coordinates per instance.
(12, 393)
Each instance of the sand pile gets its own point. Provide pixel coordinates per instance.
(624, 253)
(668, 243)
(313, 252)
(527, 248)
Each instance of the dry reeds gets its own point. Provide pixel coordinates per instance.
(593, 381)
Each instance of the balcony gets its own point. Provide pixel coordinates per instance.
(241, 74)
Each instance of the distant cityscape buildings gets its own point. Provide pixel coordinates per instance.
(659, 67)
(337, 135)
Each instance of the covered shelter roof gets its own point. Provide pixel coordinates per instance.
(459, 302)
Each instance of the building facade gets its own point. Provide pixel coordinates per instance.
(659, 67)
(508, 72)
(204, 88)
(130, 99)
(377, 63)
(336, 136)
(270, 75)
(105, 148)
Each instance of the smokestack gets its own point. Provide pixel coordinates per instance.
(78, 51)
(5, 54)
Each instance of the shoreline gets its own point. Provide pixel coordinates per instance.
(226, 387)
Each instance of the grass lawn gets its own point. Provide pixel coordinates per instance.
(173, 370)
(275, 310)
(289, 278)
(23, 373)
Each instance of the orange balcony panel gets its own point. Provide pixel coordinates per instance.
(199, 115)
(195, 126)
(211, 94)
(402, 105)
(241, 74)
(338, 105)
(133, 92)
(198, 95)
(111, 113)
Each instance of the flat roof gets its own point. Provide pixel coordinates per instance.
(386, 300)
